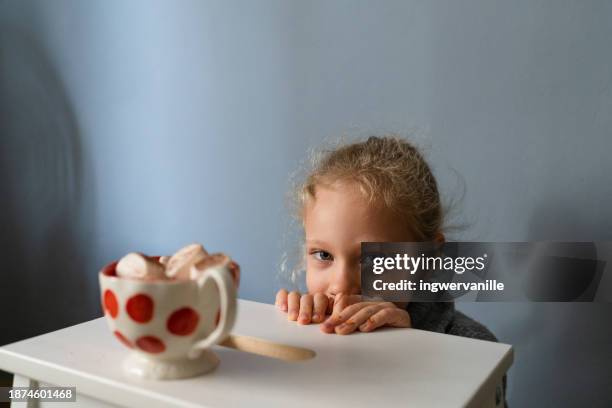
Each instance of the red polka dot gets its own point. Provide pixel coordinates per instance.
(218, 317)
(123, 339)
(140, 308)
(150, 344)
(110, 303)
(183, 321)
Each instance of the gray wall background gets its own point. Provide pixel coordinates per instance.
(150, 124)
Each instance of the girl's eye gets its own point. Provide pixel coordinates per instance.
(323, 256)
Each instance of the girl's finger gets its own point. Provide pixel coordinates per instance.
(342, 301)
(400, 318)
(359, 317)
(281, 300)
(393, 317)
(350, 310)
(293, 305)
(306, 305)
(320, 307)
(339, 318)
(330, 304)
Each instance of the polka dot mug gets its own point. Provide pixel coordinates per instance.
(169, 326)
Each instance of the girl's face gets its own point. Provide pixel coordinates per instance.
(336, 221)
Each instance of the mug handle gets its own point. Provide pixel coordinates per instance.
(227, 292)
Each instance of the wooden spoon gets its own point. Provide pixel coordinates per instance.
(267, 348)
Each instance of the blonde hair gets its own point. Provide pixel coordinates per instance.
(390, 172)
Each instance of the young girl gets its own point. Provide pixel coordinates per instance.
(380, 190)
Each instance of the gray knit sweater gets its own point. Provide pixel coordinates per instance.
(441, 317)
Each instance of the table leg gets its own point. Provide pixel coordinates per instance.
(81, 400)
(21, 381)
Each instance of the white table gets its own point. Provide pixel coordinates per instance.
(388, 367)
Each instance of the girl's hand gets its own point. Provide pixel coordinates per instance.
(350, 314)
(308, 308)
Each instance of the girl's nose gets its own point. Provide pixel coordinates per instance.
(346, 280)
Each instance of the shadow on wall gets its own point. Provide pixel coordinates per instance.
(563, 337)
(43, 238)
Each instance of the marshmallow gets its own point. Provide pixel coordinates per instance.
(210, 261)
(235, 270)
(138, 266)
(164, 260)
(179, 264)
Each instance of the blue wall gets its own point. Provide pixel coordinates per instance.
(150, 124)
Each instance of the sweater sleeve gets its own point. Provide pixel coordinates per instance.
(441, 317)
(464, 326)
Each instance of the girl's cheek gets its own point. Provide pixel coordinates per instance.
(316, 280)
